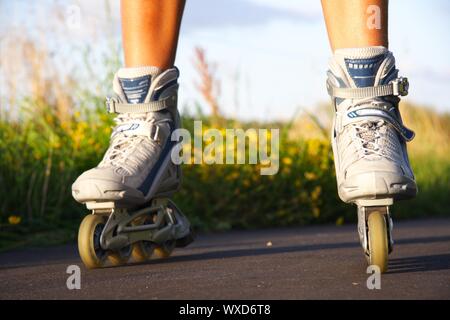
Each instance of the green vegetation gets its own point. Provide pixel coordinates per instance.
(41, 155)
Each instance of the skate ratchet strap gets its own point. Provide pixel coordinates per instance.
(375, 114)
(397, 87)
(114, 106)
(138, 128)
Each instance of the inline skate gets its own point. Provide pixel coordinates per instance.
(128, 192)
(369, 143)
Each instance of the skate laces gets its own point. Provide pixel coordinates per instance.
(128, 153)
(370, 133)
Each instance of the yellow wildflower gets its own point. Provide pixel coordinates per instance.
(14, 219)
(48, 118)
(316, 212)
(287, 161)
(55, 144)
(340, 221)
(315, 194)
(310, 176)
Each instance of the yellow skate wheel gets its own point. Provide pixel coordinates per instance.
(92, 255)
(378, 242)
(120, 257)
(165, 250)
(142, 251)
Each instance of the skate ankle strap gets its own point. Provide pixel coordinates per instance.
(397, 87)
(374, 114)
(113, 105)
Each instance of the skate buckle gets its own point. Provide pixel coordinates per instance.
(400, 86)
(110, 105)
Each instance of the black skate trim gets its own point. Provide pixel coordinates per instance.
(168, 85)
(186, 240)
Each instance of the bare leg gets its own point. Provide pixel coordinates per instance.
(150, 32)
(356, 23)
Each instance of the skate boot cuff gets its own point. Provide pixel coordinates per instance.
(144, 89)
(361, 53)
(360, 73)
(136, 72)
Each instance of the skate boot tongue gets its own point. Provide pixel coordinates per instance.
(365, 67)
(134, 83)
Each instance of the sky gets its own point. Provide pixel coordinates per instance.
(271, 55)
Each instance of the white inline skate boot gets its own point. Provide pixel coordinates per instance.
(128, 191)
(369, 142)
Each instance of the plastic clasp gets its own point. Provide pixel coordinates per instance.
(401, 86)
(110, 105)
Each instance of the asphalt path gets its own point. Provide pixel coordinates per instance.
(319, 262)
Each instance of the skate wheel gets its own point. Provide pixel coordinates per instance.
(165, 250)
(378, 242)
(91, 253)
(120, 257)
(142, 250)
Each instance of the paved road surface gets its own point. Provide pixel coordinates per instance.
(302, 263)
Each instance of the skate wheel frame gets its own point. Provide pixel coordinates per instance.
(116, 234)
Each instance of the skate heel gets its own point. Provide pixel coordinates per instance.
(93, 205)
(117, 234)
(374, 202)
